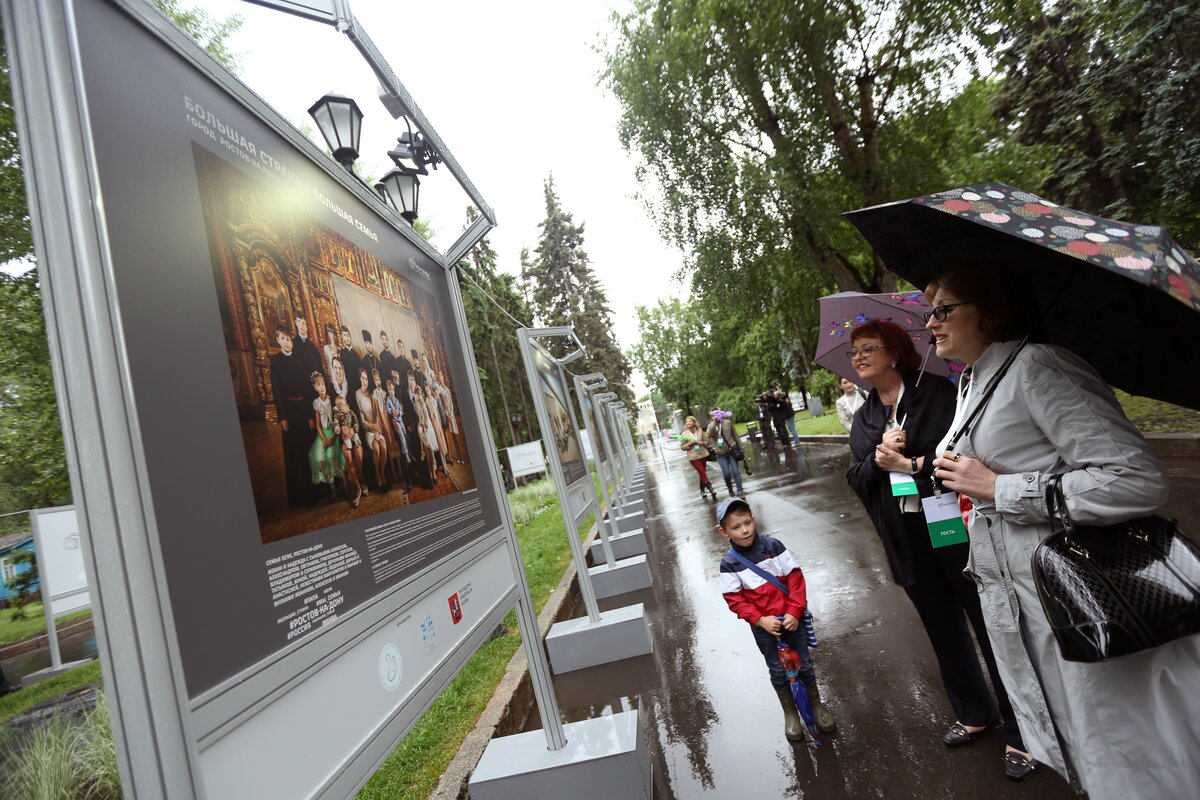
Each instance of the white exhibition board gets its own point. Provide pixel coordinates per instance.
(585, 438)
(240, 565)
(61, 570)
(527, 459)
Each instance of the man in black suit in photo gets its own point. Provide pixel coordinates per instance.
(351, 361)
(291, 385)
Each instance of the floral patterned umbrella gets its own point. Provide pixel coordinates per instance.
(1114, 292)
(843, 312)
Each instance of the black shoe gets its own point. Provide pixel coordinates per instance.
(1017, 767)
(958, 736)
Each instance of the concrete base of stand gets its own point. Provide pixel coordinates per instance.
(625, 575)
(624, 545)
(631, 505)
(604, 758)
(50, 672)
(630, 522)
(580, 643)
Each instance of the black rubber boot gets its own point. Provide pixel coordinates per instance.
(824, 717)
(793, 727)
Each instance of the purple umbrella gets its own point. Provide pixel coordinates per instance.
(842, 313)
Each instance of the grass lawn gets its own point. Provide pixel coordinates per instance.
(15, 703)
(808, 425)
(1153, 416)
(33, 624)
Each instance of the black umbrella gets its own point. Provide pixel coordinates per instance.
(1123, 296)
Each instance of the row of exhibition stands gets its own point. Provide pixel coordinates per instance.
(605, 757)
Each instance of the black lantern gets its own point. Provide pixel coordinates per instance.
(413, 152)
(382, 191)
(404, 189)
(340, 121)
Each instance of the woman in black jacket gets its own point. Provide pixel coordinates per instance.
(892, 445)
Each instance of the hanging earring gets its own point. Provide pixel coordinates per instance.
(893, 365)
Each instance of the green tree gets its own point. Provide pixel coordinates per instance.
(563, 290)
(1114, 89)
(764, 121)
(33, 469)
(21, 584)
(493, 305)
(209, 32)
(760, 123)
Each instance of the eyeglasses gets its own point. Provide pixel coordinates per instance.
(941, 312)
(864, 351)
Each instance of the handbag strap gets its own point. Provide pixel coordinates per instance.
(762, 573)
(1056, 506)
(965, 428)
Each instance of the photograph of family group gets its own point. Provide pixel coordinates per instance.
(338, 365)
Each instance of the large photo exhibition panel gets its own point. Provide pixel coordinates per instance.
(562, 436)
(295, 366)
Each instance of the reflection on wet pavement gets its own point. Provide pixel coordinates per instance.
(713, 720)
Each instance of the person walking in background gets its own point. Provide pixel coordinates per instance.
(776, 411)
(723, 440)
(1127, 727)
(849, 402)
(765, 420)
(892, 447)
(787, 412)
(692, 443)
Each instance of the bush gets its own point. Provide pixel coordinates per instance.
(739, 400)
(824, 384)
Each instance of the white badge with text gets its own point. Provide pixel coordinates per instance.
(944, 519)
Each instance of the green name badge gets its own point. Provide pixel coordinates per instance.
(944, 520)
(902, 484)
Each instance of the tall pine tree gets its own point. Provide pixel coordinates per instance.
(492, 301)
(563, 290)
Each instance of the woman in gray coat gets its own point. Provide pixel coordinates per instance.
(1128, 727)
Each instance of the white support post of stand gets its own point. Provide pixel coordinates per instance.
(617, 634)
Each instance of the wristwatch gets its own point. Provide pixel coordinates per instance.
(915, 468)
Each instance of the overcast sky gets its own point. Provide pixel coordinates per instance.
(512, 89)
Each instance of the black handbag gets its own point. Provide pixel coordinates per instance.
(1113, 590)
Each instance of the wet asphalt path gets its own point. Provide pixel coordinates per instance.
(714, 722)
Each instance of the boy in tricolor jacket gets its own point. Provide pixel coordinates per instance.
(771, 613)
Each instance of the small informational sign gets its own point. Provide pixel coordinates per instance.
(60, 559)
(527, 459)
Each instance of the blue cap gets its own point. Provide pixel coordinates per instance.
(729, 504)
